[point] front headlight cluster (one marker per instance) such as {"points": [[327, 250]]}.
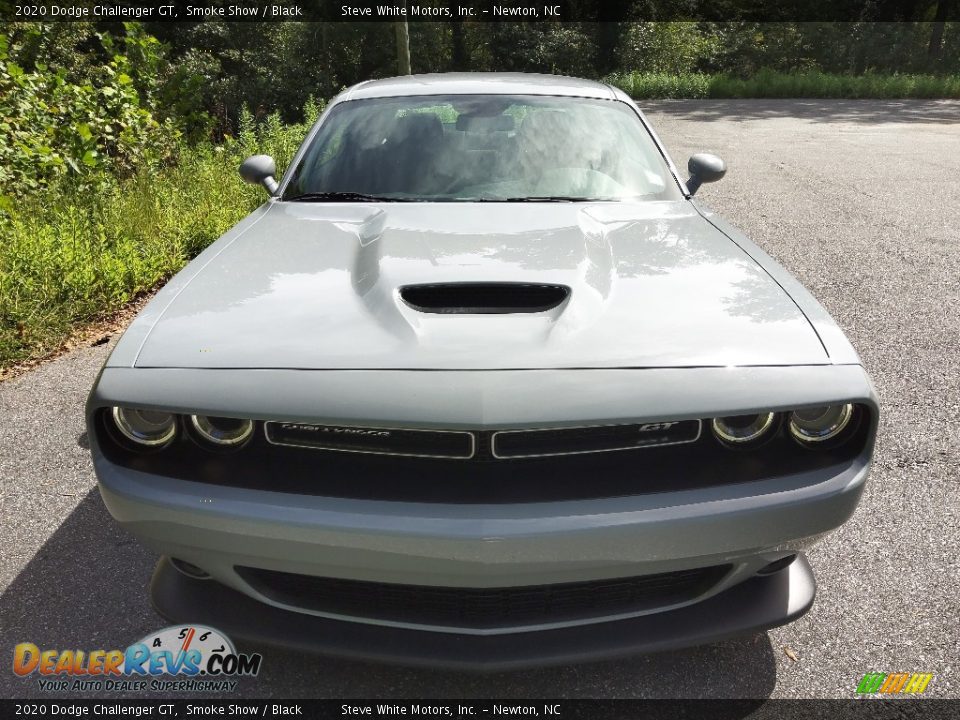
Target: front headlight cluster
{"points": [[824, 426], [808, 426], [156, 429]]}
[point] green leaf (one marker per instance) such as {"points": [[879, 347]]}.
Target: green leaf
{"points": [[89, 158], [83, 130], [14, 70], [124, 79]]}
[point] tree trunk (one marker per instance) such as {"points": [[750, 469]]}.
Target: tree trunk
{"points": [[935, 48], [325, 57], [403, 47], [459, 49], [608, 41]]}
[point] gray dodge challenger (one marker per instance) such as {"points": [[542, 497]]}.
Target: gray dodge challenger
{"points": [[482, 385]]}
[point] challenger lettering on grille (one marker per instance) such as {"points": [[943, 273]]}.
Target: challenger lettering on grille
{"points": [[335, 430], [379, 441]]}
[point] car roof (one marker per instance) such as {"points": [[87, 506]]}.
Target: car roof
{"points": [[480, 84]]}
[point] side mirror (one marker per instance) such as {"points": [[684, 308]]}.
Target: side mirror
{"points": [[704, 168], [260, 170]]}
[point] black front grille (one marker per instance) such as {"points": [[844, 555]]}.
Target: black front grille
{"points": [[462, 445], [483, 607], [473, 298]]}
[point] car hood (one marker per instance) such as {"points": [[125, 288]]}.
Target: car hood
{"points": [[315, 286]]}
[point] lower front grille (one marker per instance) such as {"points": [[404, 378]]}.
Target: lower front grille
{"points": [[480, 608]]}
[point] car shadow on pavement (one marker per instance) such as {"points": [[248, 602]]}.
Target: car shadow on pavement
{"points": [[816, 110], [86, 588]]}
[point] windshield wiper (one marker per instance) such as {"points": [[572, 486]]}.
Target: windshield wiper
{"points": [[543, 198], [342, 197]]}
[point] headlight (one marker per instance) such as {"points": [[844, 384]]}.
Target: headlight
{"points": [[742, 429], [152, 428], [226, 432], [817, 424]]}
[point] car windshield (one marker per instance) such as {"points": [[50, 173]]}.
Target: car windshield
{"points": [[481, 148]]}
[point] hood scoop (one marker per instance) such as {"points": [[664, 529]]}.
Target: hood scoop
{"points": [[471, 298]]}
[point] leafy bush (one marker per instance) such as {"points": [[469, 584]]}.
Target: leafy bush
{"points": [[545, 47], [666, 47], [58, 126]]}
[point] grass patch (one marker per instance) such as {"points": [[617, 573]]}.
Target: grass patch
{"points": [[771, 84], [70, 256]]}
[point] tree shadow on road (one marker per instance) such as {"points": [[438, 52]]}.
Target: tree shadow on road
{"points": [[816, 110], [86, 588]]}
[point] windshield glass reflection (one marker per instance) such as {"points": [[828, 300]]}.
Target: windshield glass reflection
{"points": [[494, 148]]}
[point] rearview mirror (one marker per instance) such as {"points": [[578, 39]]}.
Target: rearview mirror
{"points": [[260, 170], [704, 168], [485, 123]]}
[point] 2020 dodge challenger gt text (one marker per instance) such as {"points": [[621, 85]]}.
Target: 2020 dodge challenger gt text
{"points": [[481, 385]]}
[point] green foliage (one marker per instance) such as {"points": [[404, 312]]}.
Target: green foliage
{"points": [[772, 84], [667, 47], [82, 126], [270, 67], [832, 47], [312, 109], [546, 47], [646, 85], [68, 256]]}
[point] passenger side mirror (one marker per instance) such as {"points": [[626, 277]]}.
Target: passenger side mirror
{"points": [[704, 168], [260, 170]]}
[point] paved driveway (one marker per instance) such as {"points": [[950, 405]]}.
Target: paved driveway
{"points": [[859, 199]]}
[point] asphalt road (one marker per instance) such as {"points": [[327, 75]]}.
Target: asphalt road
{"points": [[860, 200]]}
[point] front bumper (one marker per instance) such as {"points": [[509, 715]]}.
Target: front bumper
{"points": [[220, 528], [757, 604], [743, 525]]}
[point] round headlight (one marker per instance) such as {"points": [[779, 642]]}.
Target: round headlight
{"points": [[814, 425], [152, 428], [226, 432], [742, 429]]}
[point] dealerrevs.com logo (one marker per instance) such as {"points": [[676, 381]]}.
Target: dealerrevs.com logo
{"points": [[199, 658]]}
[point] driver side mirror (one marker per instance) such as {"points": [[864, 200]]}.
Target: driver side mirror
{"points": [[260, 170], [704, 168]]}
